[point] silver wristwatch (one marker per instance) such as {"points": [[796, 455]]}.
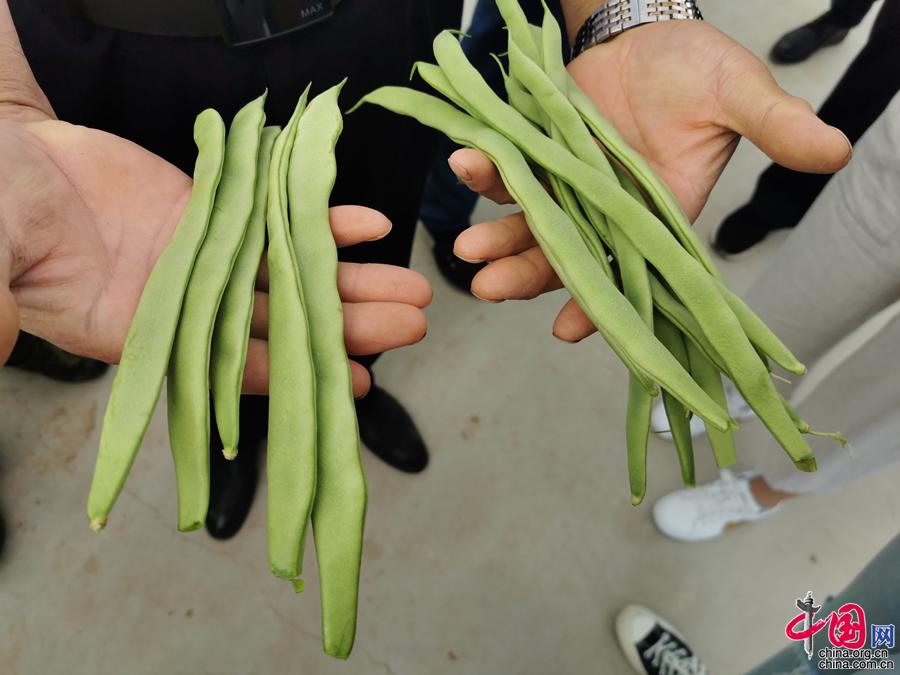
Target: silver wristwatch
{"points": [[619, 15]]}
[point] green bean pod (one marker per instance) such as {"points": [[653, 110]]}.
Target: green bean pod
{"points": [[231, 334], [519, 29], [760, 334], [188, 381], [148, 345], [708, 376], [679, 417], [339, 509], [615, 318], [291, 454], [668, 305]]}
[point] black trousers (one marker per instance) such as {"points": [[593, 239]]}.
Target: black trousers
{"points": [[851, 12], [149, 90], [783, 196]]}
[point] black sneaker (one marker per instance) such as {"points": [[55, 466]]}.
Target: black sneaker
{"points": [[652, 646], [37, 356], [390, 433], [458, 272], [742, 230], [803, 42]]}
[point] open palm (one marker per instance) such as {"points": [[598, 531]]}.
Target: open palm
{"points": [[87, 214], [681, 93]]}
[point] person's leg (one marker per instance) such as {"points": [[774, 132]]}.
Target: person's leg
{"points": [[783, 196], [835, 271], [876, 589], [860, 398], [850, 13]]}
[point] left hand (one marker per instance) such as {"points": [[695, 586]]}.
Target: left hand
{"points": [[682, 93]]}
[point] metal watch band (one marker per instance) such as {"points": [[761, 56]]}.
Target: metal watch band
{"points": [[620, 15]]}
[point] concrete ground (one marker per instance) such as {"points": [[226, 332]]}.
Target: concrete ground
{"points": [[510, 554]]}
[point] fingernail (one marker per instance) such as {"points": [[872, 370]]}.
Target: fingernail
{"points": [[493, 302], [568, 342], [472, 261], [849, 144], [383, 233], [461, 172]]}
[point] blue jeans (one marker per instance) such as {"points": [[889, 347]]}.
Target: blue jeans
{"points": [[876, 589], [447, 205]]}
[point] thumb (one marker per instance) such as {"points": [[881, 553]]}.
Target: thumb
{"points": [[785, 127]]}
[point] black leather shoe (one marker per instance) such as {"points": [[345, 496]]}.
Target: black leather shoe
{"points": [[390, 433], [233, 482], [740, 231], [803, 42], [37, 356], [458, 272]]}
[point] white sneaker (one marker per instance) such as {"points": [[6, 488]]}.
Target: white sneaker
{"points": [[738, 408], [705, 512], [652, 646]]}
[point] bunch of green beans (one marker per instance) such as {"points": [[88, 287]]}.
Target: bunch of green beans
{"points": [[617, 238], [257, 191]]}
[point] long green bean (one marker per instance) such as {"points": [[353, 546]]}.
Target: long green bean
{"points": [[188, 381], [677, 414], [291, 450], [339, 509], [232, 331], [148, 346], [708, 376]]}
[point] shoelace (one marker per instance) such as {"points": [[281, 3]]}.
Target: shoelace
{"points": [[670, 658], [726, 498]]}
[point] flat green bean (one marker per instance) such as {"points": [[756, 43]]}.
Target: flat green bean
{"points": [[760, 334], [613, 315], [232, 331], [707, 376], [148, 345], [339, 509], [291, 450], [188, 381], [674, 311], [679, 417]]}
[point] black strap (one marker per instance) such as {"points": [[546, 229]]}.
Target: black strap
{"points": [[239, 22]]}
